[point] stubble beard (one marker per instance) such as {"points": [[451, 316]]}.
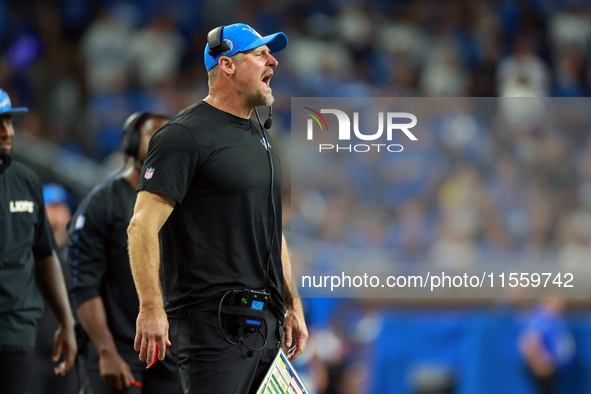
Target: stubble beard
{"points": [[267, 99], [261, 98]]}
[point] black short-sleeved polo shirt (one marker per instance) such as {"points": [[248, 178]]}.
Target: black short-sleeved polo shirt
{"points": [[219, 235], [25, 234]]}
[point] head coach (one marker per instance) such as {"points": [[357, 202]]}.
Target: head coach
{"points": [[209, 208]]}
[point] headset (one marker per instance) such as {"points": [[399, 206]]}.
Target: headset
{"points": [[130, 140], [218, 46]]}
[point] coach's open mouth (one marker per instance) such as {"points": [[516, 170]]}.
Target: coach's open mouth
{"points": [[266, 80]]}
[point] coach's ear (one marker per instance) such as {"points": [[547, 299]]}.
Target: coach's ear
{"points": [[227, 65]]}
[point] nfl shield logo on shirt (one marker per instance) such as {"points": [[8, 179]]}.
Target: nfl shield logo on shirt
{"points": [[149, 173]]}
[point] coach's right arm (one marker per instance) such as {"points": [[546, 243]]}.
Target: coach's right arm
{"points": [[150, 213]]}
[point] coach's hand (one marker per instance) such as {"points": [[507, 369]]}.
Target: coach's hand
{"points": [[295, 326], [151, 328]]}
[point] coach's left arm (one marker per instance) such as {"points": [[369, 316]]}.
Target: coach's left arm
{"points": [[295, 324]]}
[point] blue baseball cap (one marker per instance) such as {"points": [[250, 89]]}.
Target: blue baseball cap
{"points": [[54, 193], [6, 105], [242, 38]]}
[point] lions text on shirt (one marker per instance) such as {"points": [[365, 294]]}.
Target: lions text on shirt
{"points": [[22, 206]]}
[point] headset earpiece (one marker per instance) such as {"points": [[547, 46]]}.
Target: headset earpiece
{"points": [[216, 45], [130, 141]]}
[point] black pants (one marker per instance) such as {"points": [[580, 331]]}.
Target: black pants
{"points": [[15, 368], [209, 364], [161, 378]]}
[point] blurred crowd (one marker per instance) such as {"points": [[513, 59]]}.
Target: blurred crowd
{"points": [[480, 186], [84, 66]]}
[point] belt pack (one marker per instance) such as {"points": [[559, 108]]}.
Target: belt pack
{"points": [[244, 310]]}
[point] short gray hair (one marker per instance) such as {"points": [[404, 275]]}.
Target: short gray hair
{"points": [[214, 73]]}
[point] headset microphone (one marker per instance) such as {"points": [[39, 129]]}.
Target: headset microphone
{"points": [[269, 122]]}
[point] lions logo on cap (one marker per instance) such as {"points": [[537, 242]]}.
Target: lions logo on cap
{"points": [[230, 46], [253, 31]]}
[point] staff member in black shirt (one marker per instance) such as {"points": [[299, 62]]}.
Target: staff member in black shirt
{"points": [[29, 268], [211, 185], [103, 290]]}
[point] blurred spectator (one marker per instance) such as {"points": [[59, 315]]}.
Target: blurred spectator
{"points": [[156, 51], [546, 344], [443, 75], [105, 49], [57, 205], [575, 240], [523, 73], [449, 48]]}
